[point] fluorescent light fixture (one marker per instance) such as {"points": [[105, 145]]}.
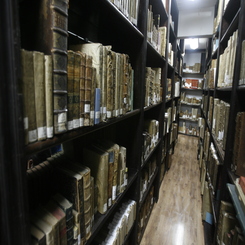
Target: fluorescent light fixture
{"points": [[193, 42]]}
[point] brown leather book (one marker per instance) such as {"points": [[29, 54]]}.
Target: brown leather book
{"points": [[52, 39], [70, 87], [76, 90]]}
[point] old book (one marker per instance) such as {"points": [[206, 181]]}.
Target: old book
{"points": [[70, 185], [29, 115], [82, 87], [110, 87], [49, 95], [97, 105], [238, 153], [92, 103], [45, 227], [39, 91], [37, 236], [122, 170], [70, 87], [52, 40], [59, 214], [97, 161], [43, 214], [242, 69], [225, 207], [88, 87]]}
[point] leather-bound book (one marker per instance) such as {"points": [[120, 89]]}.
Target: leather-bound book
{"points": [[49, 95], [92, 102], [52, 39], [238, 152], [97, 161], [76, 90], [82, 88], [39, 85], [37, 236], [70, 87], [29, 110]]}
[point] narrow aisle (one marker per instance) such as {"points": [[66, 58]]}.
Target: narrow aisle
{"points": [[176, 217]]}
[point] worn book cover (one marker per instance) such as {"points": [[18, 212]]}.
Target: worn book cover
{"points": [[37, 236], [39, 91], [29, 110], [70, 87], [76, 91], [97, 160], [49, 95]]}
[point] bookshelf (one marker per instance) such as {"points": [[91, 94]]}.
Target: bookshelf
{"points": [[90, 22], [222, 90]]}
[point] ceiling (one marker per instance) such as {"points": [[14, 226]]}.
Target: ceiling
{"points": [[195, 5]]}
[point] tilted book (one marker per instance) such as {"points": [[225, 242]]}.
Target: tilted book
{"points": [[52, 40], [37, 236], [29, 110]]}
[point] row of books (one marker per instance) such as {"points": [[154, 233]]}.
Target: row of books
{"points": [[221, 111], [192, 114], [189, 100], [146, 175], [169, 89], [150, 137], [238, 163], [156, 34], [192, 83], [129, 8], [229, 230], [196, 68], [116, 230], [91, 186], [153, 87], [210, 76], [86, 98], [207, 106], [213, 164], [189, 130], [145, 212], [170, 55], [227, 62]]}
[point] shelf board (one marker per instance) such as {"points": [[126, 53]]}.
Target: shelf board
{"points": [[241, 88], [224, 89], [188, 134], [73, 134], [146, 108], [238, 206], [218, 148], [194, 73], [192, 89], [100, 219], [189, 104], [154, 58], [188, 119]]}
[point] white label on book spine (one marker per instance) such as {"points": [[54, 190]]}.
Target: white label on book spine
{"points": [[50, 132], [114, 192], [26, 123], [81, 122], [97, 115], [109, 202], [109, 114], [117, 113], [70, 125], [32, 135], [87, 108], [105, 207], [121, 111], [76, 123], [42, 133], [79, 239], [88, 229], [104, 110], [91, 114], [62, 117]]}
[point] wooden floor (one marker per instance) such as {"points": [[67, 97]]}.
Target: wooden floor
{"points": [[176, 217]]}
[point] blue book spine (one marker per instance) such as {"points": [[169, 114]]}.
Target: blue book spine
{"points": [[97, 105]]}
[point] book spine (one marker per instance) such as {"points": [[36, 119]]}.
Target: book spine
{"points": [[88, 84], [110, 88], [29, 115], [97, 105], [49, 95], [76, 90], [70, 88], [39, 89], [82, 88], [92, 105]]}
